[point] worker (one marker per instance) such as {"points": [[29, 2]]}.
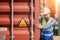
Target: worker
{"points": [[46, 24]]}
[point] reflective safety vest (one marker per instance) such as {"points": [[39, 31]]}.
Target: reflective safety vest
{"points": [[44, 22], [48, 31]]}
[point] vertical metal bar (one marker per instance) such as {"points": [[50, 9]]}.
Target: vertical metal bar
{"points": [[44, 2], [41, 5], [12, 21], [32, 20], [56, 9], [57, 15]]}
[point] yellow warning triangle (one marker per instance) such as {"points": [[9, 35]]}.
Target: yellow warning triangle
{"points": [[22, 23]]}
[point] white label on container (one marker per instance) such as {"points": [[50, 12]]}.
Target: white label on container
{"points": [[3, 28]]}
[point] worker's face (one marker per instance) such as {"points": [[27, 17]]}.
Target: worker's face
{"points": [[41, 15], [47, 15]]}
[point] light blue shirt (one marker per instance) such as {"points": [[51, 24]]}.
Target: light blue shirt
{"points": [[52, 23], [47, 27]]}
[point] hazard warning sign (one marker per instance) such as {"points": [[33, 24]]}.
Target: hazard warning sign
{"points": [[22, 23]]}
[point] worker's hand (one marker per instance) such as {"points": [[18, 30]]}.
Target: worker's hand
{"points": [[40, 26]]}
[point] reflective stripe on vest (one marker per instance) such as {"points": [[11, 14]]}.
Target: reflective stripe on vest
{"points": [[50, 29], [46, 34]]}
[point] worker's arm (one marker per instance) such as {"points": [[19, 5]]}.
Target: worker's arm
{"points": [[40, 21], [52, 23]]}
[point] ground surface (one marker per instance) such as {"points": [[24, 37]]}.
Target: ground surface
{"points": [[56, 37]]}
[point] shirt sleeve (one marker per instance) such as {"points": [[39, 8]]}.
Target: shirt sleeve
{"points": [[52, 23]]}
